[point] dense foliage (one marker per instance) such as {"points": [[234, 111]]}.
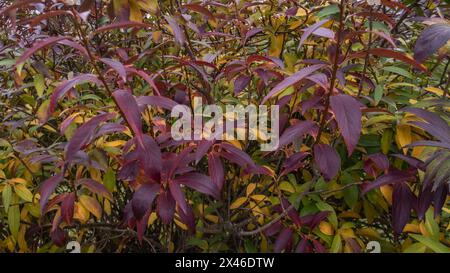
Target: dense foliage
{"points": [[86, 152]]}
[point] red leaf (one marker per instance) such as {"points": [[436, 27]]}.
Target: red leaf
{"points": [[199, 182], [348, 116], [47, 188], [143, 199], [327, 160], [293, 79], [200, 9]]}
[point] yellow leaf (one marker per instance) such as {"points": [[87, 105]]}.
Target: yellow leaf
{"points": [[91, 205], [326, 228], [411, 228], [435, 90], [386, 190], [152, 218], [259, 197], [276, 45], [148, 5], [156, 36], [403, 136], [135, 12], [80, 213], [24, 193], [238, 202], [250, 188]]}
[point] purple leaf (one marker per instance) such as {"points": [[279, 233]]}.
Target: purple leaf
{"points": [[199, 182], [67, 207], [416, 163], [117, 66], [58, 237], [84, 134], [165, 207], [180, 38], [393, 177], [150, 159], [38, 46], [430, 40], [66, 85], [318, 247], [327, 160], [47, 188], [348, 116], [95, 187], [156, 101], [241, 83], [252, 32], [303, 246], [143, 199], [128, 106], [236, 155], [283, 240], [215, 169], [293, 162], [402, 203], [309, 30], [293, 79], [439, 198], [178, 195], [202, 148], [298, 130], [429, 143], [121, 24], [423, 202]]}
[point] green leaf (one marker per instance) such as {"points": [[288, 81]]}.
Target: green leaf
{"points": [[436, 246], [327, 11], [350, 193], [39, 84], [14, 218], [378, 93], [336, 244], [109, 180], [6, 196], [399, 71], [431, 226], [415, 248]]}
